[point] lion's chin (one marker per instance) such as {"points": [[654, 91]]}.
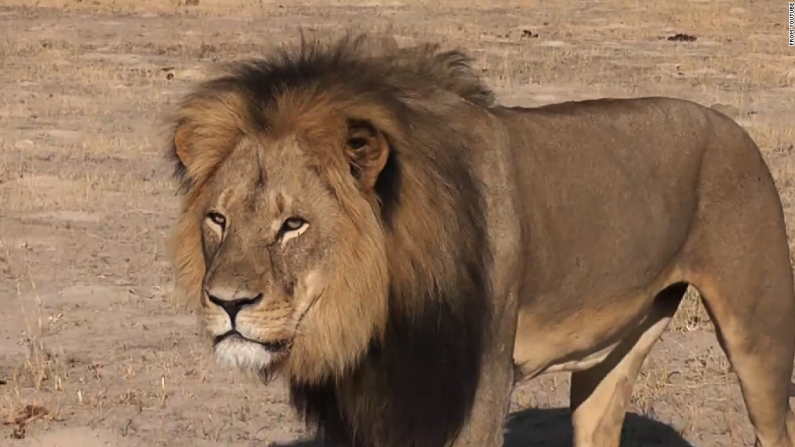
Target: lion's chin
{"points": [[237, 352]]}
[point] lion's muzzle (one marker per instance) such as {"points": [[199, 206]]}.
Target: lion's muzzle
{"points": [[237, 342], [275, 346], [233, 306]]}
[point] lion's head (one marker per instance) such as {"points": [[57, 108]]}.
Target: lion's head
{"points": [[294, 192]]}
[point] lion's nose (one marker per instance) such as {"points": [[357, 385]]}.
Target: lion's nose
{"points": [[234, 305]]}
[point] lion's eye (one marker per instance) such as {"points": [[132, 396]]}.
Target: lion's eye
{"points": [[357, 143], [292, 224], [217, 218]]}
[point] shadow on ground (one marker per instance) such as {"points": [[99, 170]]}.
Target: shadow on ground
{"points": [[552, 428]]}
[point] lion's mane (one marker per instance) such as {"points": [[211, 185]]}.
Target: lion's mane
{"points": [[415, 383]]}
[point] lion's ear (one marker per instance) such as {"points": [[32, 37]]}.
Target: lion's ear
{"points": [[368, 150], [182, 139]]}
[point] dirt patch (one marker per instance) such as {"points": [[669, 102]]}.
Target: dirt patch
{"points": [[88, 327], [76, 437]]}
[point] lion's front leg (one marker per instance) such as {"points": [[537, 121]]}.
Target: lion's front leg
{"points": [[486, 423], [485, 426]]}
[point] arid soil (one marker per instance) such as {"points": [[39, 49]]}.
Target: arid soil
{"points": [[94, 351]]}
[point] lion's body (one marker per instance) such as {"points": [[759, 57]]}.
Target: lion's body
{"points": [[645, 177], [516, 242]]}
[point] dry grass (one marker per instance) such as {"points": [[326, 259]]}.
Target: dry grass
{"points": [[89, 331]]}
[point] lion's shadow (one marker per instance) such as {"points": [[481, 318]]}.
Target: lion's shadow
{"points": [[552, 428]]}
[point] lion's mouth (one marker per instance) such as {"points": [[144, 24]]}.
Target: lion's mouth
{"points": [[274, 346], [280, 348]]}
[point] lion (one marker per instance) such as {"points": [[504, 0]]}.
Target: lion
{"points": [[374, 228]]}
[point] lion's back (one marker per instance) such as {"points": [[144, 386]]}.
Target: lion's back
{"points": [[604, 179]]}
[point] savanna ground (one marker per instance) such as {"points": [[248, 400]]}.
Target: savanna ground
{"points": [[93, 351]]}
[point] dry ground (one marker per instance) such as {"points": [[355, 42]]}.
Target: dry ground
{"points": [[92, 350]]}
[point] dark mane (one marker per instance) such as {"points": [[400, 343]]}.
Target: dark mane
{"points": [[358, 65], [362, 67], [416, 385]]}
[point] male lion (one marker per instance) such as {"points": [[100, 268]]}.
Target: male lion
{"points": [[402, 250]]}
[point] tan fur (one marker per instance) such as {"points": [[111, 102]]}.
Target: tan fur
{"points": [[450, 241]]}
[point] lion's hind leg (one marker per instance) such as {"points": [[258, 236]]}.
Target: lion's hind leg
{"points": [[757, 337], [738, 257], [600, 395]]}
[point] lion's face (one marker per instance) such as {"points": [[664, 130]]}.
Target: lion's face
{"points": [[284, 280]]}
